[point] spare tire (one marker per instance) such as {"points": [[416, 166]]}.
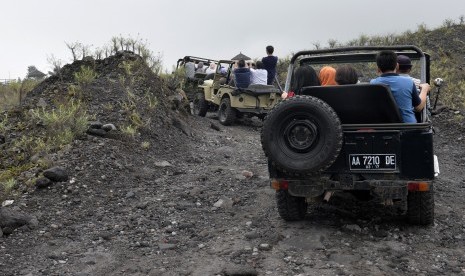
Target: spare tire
{"points": [[302, 135]]}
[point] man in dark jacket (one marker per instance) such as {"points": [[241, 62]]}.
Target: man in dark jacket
{"points": [[242, 75], [269, 63]]}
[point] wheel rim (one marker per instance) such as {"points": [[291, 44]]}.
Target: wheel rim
{"points": [[301, 135]]}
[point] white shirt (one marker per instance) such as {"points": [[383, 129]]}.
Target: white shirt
{"points": [[210, 70], [258, 76]]}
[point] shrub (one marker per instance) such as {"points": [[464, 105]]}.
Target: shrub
{"points": [[85, 76], [62, 124], [13, 93]]}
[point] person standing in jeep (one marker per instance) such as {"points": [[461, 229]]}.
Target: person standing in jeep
{"points": [[402, 88], [269, 63]]}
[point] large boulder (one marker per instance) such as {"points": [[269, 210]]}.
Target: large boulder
{"points": [[11, 220], [56, 174]]}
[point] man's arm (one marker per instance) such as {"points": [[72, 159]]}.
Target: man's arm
{"points": [[424, 90]]}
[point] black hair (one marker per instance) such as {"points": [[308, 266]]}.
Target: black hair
{"points": [[269, 49], [259, 64], [386, 60], [346, 74], [304, 76], [241, 63]]}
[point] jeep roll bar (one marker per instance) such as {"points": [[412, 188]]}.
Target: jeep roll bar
{"points": [[195, 59], [358, 55]]}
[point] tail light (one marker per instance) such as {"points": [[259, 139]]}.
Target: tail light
{"points": [[279, 184], [418, 186]]}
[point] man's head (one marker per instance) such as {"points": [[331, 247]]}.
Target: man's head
{"points": [[386, 61], [259, 65], [269, 49], [405, 64], [241, 63]]}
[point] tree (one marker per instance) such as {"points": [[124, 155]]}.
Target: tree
{"points": [[34, 73], [56, 65], [73, 47]]}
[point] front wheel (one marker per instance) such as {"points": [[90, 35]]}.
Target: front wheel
{"points": [[420, 207], [226, 113], [200, 105], [290, 208]]}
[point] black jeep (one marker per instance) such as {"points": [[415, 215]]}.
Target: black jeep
{"points": [[350, 138]]}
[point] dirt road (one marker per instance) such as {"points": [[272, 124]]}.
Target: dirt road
{"points": [[201, 205]]}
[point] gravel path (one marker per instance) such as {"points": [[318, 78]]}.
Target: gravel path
{"points": [[201, 205]]}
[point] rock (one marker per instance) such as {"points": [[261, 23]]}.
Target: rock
{"points": [[7, 203], [247, 174], [10, 220], [224, 202], [182, 126], [96, 132], [56, 174], [226, 151], [353, 227], [2, 139], [166, 246], [8, 231], [218, 204], [252, 235], [96, 125], [130, 194], [108, 127], [264, 247], [344, 259], [239, 270], [43, 182], [215, 127], [163, 164]]}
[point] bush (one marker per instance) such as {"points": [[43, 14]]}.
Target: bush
{"points": [[13, 93], [62, 124]]}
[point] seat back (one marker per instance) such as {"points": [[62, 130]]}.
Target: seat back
{"points": [[358, 103]]}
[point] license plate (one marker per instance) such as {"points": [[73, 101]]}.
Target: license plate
{"points": [[372, 162]]}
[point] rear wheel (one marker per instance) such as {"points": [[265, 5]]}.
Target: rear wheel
{"points": [[420, 207], [290, 207], [200, 104], [226, 113]]}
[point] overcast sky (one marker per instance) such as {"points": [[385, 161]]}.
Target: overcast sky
{"points": [[32, 30]]}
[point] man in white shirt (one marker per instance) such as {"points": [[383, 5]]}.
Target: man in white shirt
{"points": [[259, 75]]}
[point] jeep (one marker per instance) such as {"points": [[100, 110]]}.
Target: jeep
{"points": [[189, 86], [216, 94], [350, 138]]}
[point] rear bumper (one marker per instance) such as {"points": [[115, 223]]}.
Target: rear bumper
{"points": [[388, 189]]}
